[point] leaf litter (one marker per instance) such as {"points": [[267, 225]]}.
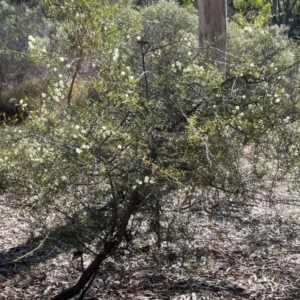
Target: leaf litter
{"points": [[250, 252]]}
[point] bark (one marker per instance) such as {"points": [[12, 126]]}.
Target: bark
{"points": [[274, 7], [212, 29]]}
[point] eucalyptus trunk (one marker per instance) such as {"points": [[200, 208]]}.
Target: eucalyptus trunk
{"points": [[212, 29]]}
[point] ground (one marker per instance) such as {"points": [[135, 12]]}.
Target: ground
{"points": [[247, 253]]}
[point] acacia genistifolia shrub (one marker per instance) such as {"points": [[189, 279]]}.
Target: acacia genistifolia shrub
{"points": [[265, 92], [155, 118]]}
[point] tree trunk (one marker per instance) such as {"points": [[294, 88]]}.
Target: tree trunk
{"points": [[274, 7], [212, 29]]}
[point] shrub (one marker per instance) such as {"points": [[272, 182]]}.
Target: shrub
{"points": [[157, 118]]}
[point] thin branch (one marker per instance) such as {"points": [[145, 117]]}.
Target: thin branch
{"points": [[31, 252], [115, 217], [79, 60]]}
